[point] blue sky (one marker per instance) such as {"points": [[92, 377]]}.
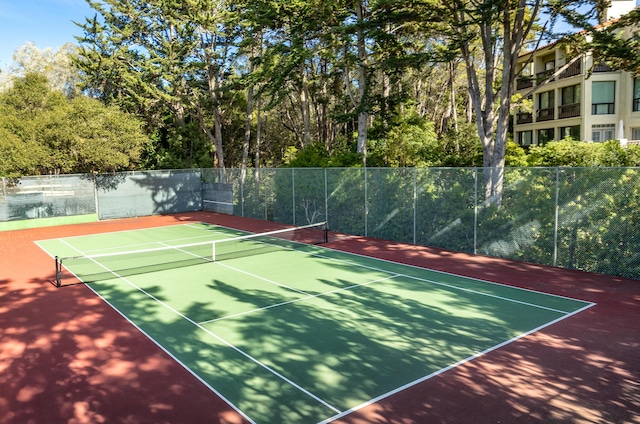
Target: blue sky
{"points": [[46, 23]]}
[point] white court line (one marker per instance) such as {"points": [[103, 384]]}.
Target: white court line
{"points": [[204, 382], [378, 398], [422, 269], [237, 349], [309, 296], [148, 229], [449, 367], [452, 286]]}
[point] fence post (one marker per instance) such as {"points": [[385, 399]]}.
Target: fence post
{"points": [[366, 205], [556, 219], [243, 176], [293, 195], [264, 193], [96, 199], [475, 210], [326, 200], [415, 201]]}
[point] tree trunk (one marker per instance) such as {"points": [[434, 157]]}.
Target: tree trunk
{"points": [[363, 115], [305, 109]]}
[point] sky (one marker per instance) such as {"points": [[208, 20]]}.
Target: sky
{"points": [[46, 23]]}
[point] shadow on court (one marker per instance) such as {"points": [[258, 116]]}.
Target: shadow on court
{"points": [[65, 356]]}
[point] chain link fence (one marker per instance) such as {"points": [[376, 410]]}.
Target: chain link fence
{"points": [[46, 196], [575, 218]]}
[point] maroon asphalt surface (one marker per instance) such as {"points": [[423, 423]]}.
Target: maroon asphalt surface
{"points": [[68, 357]]}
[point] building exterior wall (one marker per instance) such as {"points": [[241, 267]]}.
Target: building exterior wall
{"points": [[596, 123]]}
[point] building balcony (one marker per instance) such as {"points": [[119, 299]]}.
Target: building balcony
{"points": [[524, 82], [571, 71], [543, 76], [602, 67], [524, 118], [544, 114], [569, 110]]}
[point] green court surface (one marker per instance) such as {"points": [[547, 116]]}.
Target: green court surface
{"points": [[304, 334]]}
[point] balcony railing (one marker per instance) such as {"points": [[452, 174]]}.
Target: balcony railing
{"points": [[636, 105], [524, 118], [573, 70], [544, 114], [524, 82], [543, 76], [569, 110], [603, 108], [602, 67]]}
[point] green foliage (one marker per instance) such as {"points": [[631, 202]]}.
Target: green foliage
{"points": [[178, 147], [633, 155], [575, 153], [408, 140], [515, 155], [103, 139], [459, 148], [44, 132], [316, 155]]}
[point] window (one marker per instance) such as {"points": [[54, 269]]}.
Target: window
{"points": [[600, 133], [603, 98], [545, 99], [549, 65], [571, 94], [571, 132], [570, 102], [545, 136], [525, 138], [635, 133], [636, 95], [545, 105]]}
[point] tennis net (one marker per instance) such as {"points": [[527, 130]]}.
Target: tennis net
{"points": [[92, 268]]}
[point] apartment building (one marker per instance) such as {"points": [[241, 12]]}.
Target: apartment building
{"points": [[563, 100]]}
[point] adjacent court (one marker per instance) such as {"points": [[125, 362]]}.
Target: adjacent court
{"points": [[288, 331]]}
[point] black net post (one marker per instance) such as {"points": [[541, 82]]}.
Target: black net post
{"points": [[58, 272]]}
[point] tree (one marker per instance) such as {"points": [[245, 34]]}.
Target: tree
{"points": [[44, 132], [614, 43], [168, 61], [502, 28], [57, 66]]}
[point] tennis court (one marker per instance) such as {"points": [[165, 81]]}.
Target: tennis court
{"points": [[286, 330]]}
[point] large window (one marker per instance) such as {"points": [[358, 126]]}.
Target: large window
{"points": [[569, 102], [603, 98], [603, 132], [571, 94], [572, 132], [545, 106], [635, 133], [636, 95], [525, 138], [545, 136]]}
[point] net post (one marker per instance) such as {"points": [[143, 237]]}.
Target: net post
{"points": [[213, 251], [326, 233], [58, 272]]}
